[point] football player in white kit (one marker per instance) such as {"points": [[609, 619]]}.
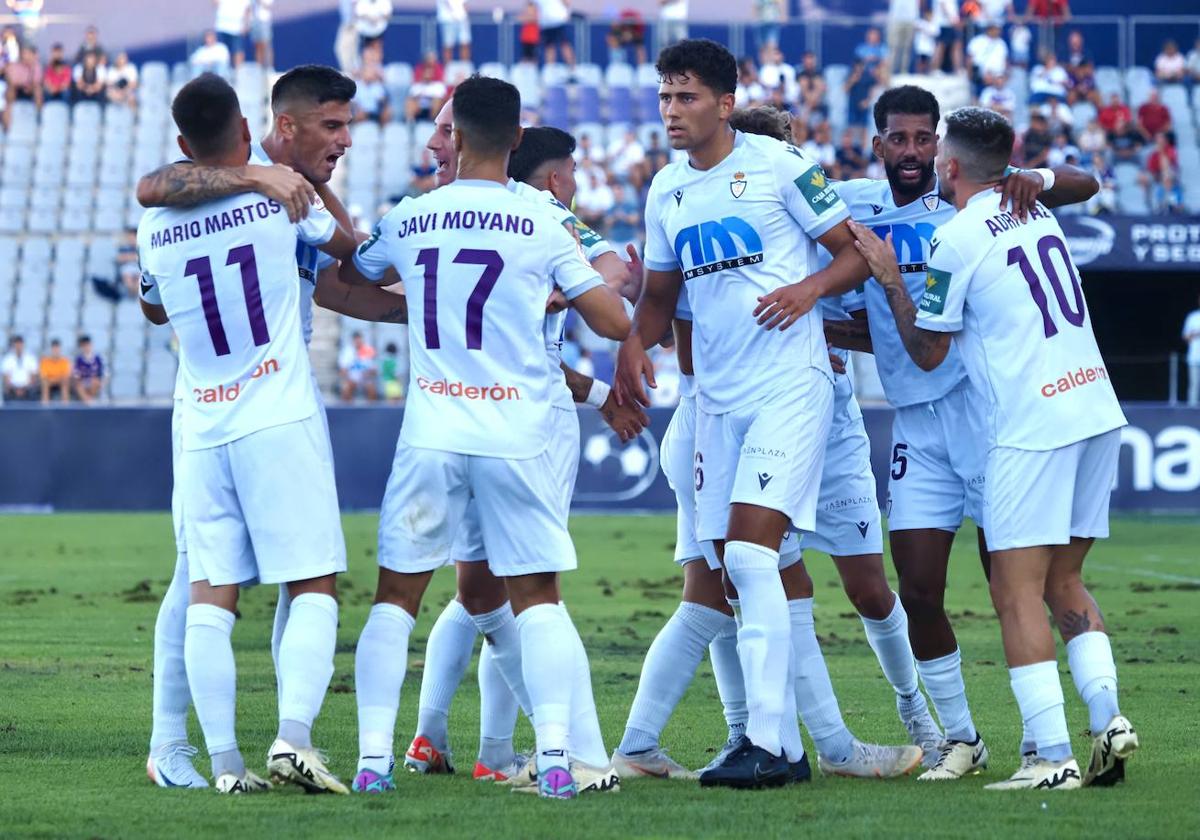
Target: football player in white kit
{"points": [[311, 107], [738, 220], [1007, 291], [937, 458], [248, 395], [480, 423]]}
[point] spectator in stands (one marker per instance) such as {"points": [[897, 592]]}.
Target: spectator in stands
{"points": [[903, 16], [1162, 176], [391, 377], [356, 369], [1114, 112], [871, 51], [1077, 55], [29, 15], [345, 43], [121, 80], [371, 19], [91, 44], [262, 31], [1105, 200], [1048, 79], [1191, 334], [1170, 67], [627, 160], [1092, 139], [1059, 116], [88, 81], [56, 80], [859, 84], [19, 371], [1062, 151], [625, 220], [773, 72], [129, 269], [54, 373], [1020, 44], [594, 197], [211, 56], [656, 155], [999, 97], [371, 97], [1153, 117], [750, 90], [10, 46], [820, 147], [585, 150], [24, 82], [554, 19], [87, 372], [768, 18], [424, 172], [1035, 146], [672, 21], [455, 26], [232, 23], [811, 88], [1193, 63], [1125, 141], [626, 38], [531, 33], [1083, 85], [925, 41], [1047, 15], [987, 57], [948, 54], [851, 162], [427, 92]]}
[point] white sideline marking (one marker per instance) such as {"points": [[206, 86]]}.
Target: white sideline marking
{"points": [[1147, 572]]}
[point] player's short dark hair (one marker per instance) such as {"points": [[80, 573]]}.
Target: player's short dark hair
{"points": [[763, 119], [488, 113], [982, 142], [54, 342], [313, 84], [205, 110], [539, 145], [906, 99], [708, 61], [85, 339]]}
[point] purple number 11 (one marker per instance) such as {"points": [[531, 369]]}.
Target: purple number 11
{"points": [[201, 268], [492, 264]]}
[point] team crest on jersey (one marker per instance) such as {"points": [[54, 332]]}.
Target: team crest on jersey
{"points": [[931, 201], [738, 185]]}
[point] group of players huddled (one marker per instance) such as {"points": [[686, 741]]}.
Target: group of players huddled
{"points": [[764, 274]]}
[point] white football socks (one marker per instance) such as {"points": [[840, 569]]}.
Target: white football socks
{"points": [[447, 655], [499, 627], [379, 664], [586, 741], [888, 637], [789, 726], [548, 655], [670, 665], [306, 664], [1040, 697], [815, 699], [282, 605], [497, 713], [1090, 658], [763, 646], [944, 683], [171, 693], [727, 670], [212, 676]]}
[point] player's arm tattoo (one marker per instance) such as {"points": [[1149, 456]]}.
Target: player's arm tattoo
{"points": [[849, 335], [579, 384], [926, 347], [186, 185]]}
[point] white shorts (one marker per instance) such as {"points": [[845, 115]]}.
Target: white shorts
{"points": [[678, 458], [939, 454], [468, 542], [848, 522], [769, 454], [790, 552], [522, 506], [1046, 498], [455, 32], [263, 507]]}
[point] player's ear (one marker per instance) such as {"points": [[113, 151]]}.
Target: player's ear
{"points": [[877, 146], [457, 136], [245, 130], [727, 104], [517, 139], [183, 147], [285, 126]]}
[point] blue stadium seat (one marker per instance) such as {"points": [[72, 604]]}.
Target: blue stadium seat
{"points": [[555, 107], [18, 165], [555, 74], [647, 75], [592, 129], [647, 102], [647, 130], [1108, 82], [494, 69], [619, 75], [397, 78], [526, 80], [588, 103], [56, 121], [43, 220], [620, 104], [13, 197]]}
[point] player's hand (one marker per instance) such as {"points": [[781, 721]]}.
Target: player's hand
{"points": [[284, 185], [879, 253], [786, 305], [1020, 191], [626, 420], [557, 302], [632, 288], [633, 364], [835, 361]]}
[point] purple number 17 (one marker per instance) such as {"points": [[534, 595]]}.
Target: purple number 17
{"points": [[201, 268], [492, 264]]}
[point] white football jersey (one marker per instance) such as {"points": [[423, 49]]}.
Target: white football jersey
{"points": [[738, 231], [912, 228], [846, 411], [226, 273], [1010, 293], [479, 264]]}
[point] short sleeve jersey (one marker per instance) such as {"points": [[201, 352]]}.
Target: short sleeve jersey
{"points": [[480, 379], [226, 272], [1010, 293], [738, 231], [846, 411], [912, 228]]}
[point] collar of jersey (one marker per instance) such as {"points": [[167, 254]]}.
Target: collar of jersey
{"points": [[479, 182], [737, 144], [980, 196]]}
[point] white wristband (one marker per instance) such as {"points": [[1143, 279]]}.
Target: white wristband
{"points": [[1047, 178], [598, 394]]}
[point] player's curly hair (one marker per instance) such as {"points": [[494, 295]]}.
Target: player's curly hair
{"points": [[539, 144], [708, 61], [906, 99], [763, 119], [982, 142]]}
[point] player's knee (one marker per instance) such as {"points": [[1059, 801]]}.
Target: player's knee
{"points": [[1062, 588], [871, 599], [922, 599]]}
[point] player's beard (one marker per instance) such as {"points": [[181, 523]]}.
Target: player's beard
{"points": [[909, 191]]}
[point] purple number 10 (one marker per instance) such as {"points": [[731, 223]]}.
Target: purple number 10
{"points": [[492, 264], [201, 268], [1074, 314]]}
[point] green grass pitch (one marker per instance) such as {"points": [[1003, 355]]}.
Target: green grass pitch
{"points": [[78, 595]]}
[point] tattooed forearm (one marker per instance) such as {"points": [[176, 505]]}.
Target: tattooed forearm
{"points": [[579, 384], [849, 335], [186, 184], [926, 348]]}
